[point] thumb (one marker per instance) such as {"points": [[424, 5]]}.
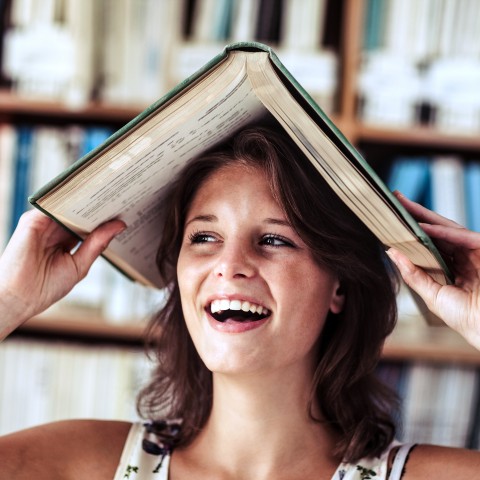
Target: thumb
{"points": [[417, 279], [95, 243]]}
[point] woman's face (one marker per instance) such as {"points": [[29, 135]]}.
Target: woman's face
{"points": [[240, 255]]}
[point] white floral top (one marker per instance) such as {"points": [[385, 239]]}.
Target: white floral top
{"points": [[147, 451]]}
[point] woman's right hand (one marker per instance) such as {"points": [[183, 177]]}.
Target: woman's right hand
{"points": [[38, 267], [458, 304]]}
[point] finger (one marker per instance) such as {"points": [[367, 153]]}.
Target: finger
{"points": [[455, 237], [423, 214], [94, 244], [416, 278]]}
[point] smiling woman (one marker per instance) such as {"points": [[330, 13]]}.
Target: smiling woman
{"points": [[280, 300], [251, 223]]}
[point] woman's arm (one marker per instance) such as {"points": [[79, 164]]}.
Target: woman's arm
{"points": [[441, 463], [38, 267], [457, 305]]}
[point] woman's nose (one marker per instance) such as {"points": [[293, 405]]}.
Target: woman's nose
{"points": [[235, 261]]}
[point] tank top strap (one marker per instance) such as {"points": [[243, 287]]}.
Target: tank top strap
{"points": [[399, 461], [147, 450]]}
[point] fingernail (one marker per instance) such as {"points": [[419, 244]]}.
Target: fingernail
{"points": [[399, 261]]}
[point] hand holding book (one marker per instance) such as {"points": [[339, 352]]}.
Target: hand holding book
{"points": [[458, 305], [38, 266]]}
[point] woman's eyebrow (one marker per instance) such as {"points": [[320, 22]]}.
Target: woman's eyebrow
{"points": [[277, 221], [213, 218], [202, 218]]}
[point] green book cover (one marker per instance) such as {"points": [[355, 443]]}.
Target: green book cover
{"points": [[250, 77]]}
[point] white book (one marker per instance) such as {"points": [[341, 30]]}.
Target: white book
{"points": [[22, 13], [202, 20], [156, 49], [245, 16], [448, 28], [115, 50], [455, 400], [38, 382], [120, 382], [399, 28], [80, 23], [303, 24], [50, 154], [448, 190], [420, 409], [419, 32], [64, 369]]}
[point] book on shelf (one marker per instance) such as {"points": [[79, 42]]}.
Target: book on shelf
{"points": [[472, 194], [448, 187], [37, 385], [243, 85]]}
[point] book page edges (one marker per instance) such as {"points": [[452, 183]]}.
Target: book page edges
{"points": [[352, 153], [127, 128], [110, 257]]}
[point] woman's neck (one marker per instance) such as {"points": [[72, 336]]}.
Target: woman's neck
{"points": [[260, 427]]}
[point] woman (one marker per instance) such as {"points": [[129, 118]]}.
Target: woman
{"points": [[286, 300]]}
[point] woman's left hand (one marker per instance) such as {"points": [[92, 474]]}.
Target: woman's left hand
{"points": [[457, 305]]}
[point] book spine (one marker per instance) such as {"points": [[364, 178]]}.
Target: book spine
{"points": [[37, 385], [23, 158]]}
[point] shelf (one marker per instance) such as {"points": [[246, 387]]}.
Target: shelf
{"points": [[416, 136], [15, 106], [417, 342], [75, 325], [430, 344]]}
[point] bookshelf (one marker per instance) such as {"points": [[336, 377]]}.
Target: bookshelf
{"points": [[418, 343], [64, 333], [347, 19], [15, 108]]}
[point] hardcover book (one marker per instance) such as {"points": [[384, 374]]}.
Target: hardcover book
{"points": [[126, 176]]}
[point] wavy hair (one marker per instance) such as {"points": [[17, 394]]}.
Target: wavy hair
{"points": [[351, 398]]}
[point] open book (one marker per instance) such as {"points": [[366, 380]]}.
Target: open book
{"points": [[126, 176]]}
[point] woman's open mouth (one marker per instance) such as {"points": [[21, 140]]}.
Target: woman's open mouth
{"points": [[224, 310]]}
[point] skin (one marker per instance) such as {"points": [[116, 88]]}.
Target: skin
{"points": [[251, 402], [238, 245]]}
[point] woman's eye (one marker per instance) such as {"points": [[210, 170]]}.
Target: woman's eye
{"points": [[276, 241], [201, 237]]}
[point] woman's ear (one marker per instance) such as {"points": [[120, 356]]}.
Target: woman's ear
{"points": [[338, 298]]}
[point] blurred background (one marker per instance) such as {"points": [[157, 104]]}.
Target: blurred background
{"points": [[400, 79]]}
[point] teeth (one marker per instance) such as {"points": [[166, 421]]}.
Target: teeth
{"points": [[235, 305], [224, 304]]}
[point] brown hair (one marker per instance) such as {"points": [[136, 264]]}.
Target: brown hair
{"points": [[345, 387]]}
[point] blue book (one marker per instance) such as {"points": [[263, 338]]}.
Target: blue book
{"points": [[411, 176], [93, 137], [222, 23], [22, 168], [472, 195], [375, 21]]}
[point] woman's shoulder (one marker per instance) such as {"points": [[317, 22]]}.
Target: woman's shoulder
{"points": [[442, 463], [64, 449], [415, 462]]}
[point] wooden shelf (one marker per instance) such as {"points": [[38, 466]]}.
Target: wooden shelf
{"points": [[430, 344], [415, 136], [79, 325], [14, 106], [408, 343], [420, 344]]}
